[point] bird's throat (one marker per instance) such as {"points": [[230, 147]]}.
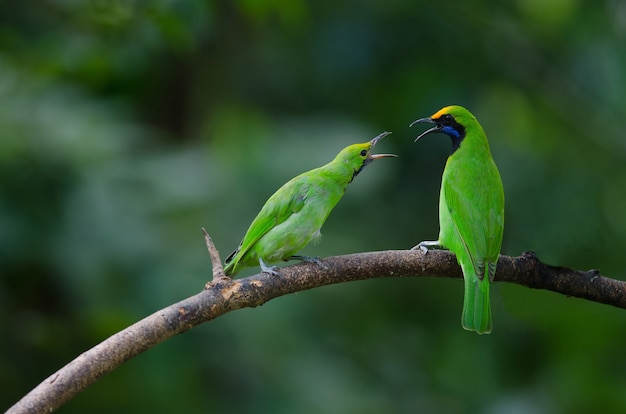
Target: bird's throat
{"points": [[456, 142]]}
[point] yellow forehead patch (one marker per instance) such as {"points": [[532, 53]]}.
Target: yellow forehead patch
{"points": [[441, 112]]}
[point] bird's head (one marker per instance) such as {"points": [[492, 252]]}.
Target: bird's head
{"points": [[357, 156], [452, 121]]}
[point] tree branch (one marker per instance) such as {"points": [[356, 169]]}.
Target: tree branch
{"points": [[223, 295]]}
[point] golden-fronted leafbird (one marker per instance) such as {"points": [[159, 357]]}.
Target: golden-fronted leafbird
{"points": [[471, 210], [295, 213]]}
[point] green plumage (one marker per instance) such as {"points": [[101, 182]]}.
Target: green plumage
{"points": [[471, 210], [295, 213]]}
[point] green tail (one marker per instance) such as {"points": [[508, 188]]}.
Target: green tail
{"points": [[230, 263], [476, 307]]}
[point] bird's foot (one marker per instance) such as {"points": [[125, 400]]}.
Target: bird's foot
{"points": [[309, 259], [271, 270], [424, 245]]}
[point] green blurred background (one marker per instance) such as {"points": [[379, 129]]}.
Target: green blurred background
{"points": [[126, 126]]}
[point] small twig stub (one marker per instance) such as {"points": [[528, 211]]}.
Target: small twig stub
{"points": [[216, 260]]}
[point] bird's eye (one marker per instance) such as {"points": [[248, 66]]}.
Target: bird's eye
{"points": [[363, 153], [448, 118]]}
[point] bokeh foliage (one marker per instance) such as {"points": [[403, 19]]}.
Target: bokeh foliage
{"points": [[128, 125]]}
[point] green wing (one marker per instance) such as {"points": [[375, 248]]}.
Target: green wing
{"points": [[287, 200], [476, 210]]}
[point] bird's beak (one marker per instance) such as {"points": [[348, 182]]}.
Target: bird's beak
{"points": [[373, 157], [436, 128]]}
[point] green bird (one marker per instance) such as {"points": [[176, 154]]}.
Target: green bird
{"points": [[471, 210], [294, 215]]}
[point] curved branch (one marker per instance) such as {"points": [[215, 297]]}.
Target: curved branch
{"points": [[224, 295]]}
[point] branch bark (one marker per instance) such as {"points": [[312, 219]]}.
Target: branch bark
{"points": [[223, 295]]}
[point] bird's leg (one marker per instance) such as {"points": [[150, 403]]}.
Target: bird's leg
{"points": [[424, 245], [272, 270], [309, 259]]}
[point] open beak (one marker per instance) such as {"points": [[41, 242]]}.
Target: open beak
{"points": [[373, 157], [429, 120]]}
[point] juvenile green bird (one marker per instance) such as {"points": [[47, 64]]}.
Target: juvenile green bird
{"points": [[294, 215], [471, 210]]}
